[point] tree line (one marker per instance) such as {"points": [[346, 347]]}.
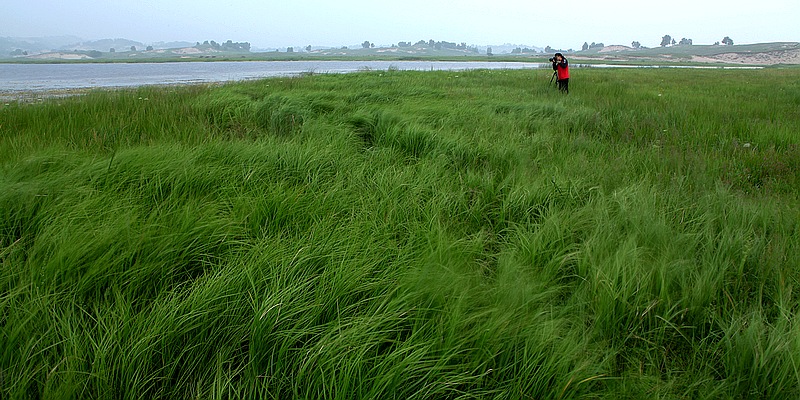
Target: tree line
{"points": [[666, 40], [227, 46]]}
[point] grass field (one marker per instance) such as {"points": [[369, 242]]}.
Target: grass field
{"points": [[406, 235]]}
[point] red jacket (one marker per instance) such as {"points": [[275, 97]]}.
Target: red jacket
{"points": [[562, 68]]}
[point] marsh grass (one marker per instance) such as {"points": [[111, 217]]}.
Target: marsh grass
{"points": [[396, 234]]}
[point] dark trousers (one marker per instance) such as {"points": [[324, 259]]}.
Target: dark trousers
{"points": [[563, 85]]}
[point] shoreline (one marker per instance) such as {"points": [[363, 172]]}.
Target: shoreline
{"points": [[34, 96], [28, 96]]}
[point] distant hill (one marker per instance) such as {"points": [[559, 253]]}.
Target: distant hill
{"points": [[428, 49], [171, 45], [405, 51], [748, 54], [41, 47], [107, 44], [15, 46], [35, 45]]}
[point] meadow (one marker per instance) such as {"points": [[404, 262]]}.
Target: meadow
{"points": [[406, 235]]}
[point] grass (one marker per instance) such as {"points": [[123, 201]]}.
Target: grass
{"points": [[393, 234]]}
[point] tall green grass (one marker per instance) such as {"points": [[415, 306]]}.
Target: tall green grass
{"points": [[397, 234]]}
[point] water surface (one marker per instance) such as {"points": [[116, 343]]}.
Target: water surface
{"points": [[50, 77]]}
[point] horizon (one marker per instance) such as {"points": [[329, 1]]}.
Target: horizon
{"points": [[346, 23], [351, 46]]}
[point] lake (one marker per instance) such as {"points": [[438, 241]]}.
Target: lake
{"points": [[53, 77]]}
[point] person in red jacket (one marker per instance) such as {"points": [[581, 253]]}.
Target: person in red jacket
{"points": [[561, 66]]}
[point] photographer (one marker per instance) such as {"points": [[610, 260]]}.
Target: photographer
{"points": [[561, 66]]}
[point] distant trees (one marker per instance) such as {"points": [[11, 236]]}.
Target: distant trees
{"points": [[686, 41], [489, 51], [438, 45], [112, 50], [290, 49], [666, 40], [227, 46], [451, 45], [149, 48], [237, 46], [429, 44], [727, 41], [308, 48], [521, 50], [636, 45], [586, 46], [133, 48]]}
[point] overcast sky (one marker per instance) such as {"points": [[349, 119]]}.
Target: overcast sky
{"points": [[281, 23]]}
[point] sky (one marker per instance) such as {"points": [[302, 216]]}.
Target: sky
{"points": [[561, 24]]}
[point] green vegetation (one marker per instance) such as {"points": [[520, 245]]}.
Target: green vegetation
{"points": [[391, 234], [777, 53]]}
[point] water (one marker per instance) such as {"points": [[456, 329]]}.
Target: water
{"points": [[31, 82], [55, 77]]}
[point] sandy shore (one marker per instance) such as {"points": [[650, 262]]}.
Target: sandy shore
{"points": [[786, 57], [34, 96]]}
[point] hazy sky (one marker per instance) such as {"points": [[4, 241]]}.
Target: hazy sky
{"points": [[281, 23]]}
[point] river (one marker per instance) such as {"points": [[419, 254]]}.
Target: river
{"points": [[54, 77]]}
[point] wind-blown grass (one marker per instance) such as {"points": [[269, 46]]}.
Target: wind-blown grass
{"points": [[405, 235]]}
